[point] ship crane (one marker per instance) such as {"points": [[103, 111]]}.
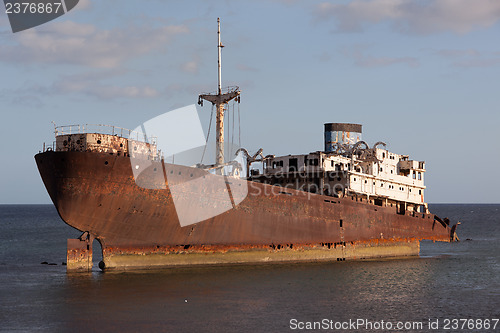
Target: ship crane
{"points": [[220, 101]]}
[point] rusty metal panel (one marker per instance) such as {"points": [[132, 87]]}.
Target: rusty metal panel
{"points": [[79, 255], [96, 192]]}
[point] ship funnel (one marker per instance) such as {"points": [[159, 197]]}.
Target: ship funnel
{"points": [[341, 133]]}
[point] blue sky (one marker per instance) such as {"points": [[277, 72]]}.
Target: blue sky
{"points": [[423, 76]]}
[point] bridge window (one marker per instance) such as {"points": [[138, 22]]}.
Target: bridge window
{"points": [[292, 164]]}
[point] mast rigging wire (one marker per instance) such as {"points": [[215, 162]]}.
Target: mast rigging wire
{"points": [[208, 134]]}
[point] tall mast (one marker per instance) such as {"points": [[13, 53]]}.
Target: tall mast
{"points": [[219, 48], [220, 101]]}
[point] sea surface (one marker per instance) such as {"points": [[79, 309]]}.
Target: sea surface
{"points": [[447, 282]]}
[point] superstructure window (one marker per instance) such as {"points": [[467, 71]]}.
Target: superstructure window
{"points": [[277, 164], [313, 162]]}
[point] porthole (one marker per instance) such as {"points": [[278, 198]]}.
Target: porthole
{"points": [[98, 142]]}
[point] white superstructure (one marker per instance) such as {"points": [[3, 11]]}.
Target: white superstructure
{"points": [[349, 168]]}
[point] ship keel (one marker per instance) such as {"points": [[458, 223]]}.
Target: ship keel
{"points": [[79, 253], [187, 256]]}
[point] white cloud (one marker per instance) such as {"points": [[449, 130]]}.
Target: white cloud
{"points": [[108, 91], [84, 44], [454, 53], [409, 16], [324, 57], [483, 62], [358, 54], [469, 57], [191, 66], [245, 68], [89, 84], [83, 4]]}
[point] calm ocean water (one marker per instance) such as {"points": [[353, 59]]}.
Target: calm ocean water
{"points": [[448, 281]]}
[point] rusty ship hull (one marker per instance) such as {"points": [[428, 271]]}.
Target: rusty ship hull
{"points": [[137, 227]]}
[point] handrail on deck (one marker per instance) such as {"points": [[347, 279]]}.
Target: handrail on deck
{"points": [[224, 90], [104, 129]]}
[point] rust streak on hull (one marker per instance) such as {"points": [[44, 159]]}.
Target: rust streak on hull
{"points": [[97, 193]]}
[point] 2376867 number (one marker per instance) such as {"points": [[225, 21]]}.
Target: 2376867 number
{"points": [[470, 324], [32, 8]]}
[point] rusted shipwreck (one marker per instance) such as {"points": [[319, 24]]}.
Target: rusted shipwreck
{"points": [[348, 201]]}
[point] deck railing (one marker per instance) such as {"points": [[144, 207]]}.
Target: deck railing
{"points": [[104, 129]]}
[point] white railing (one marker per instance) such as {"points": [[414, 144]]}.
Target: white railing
{"points": [[224, 90], [104, 129]]}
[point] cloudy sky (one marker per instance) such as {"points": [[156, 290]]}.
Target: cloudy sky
{"points": [[423, 76]]}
